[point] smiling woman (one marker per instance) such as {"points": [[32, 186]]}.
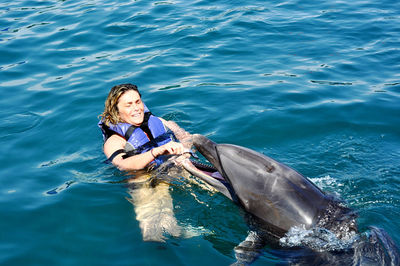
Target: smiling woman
{"points": [[136, 139], [133, 137]]}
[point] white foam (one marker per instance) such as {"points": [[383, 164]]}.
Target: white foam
{"points": [[328, 183], [319, 239]]}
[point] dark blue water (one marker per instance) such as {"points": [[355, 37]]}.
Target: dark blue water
{"points": [[315, 85]]}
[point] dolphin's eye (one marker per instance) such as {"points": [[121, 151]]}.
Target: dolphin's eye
{"points": [[270, 168]]}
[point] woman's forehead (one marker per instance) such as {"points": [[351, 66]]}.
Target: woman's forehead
{"points": [[129, 96]]}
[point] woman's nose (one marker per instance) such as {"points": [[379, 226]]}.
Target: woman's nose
{"points": [[136, 107]]}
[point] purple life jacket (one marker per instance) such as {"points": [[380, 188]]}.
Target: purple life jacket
{"points": [[150, 134]]}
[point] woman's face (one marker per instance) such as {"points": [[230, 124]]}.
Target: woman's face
{"points": [[131, 108]]}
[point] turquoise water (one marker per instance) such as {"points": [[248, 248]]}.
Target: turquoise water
{"points": [[313, 85]]}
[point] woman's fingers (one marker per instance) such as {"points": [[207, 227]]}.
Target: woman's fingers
{"points": [[173, 148], [176, 148]]}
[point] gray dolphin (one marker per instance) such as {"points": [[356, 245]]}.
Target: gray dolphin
{"points": [[279, 198], [273, 192]]}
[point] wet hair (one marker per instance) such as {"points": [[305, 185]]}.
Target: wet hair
{"points": [[110, 114]]}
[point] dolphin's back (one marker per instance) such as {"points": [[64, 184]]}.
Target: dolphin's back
{"points": [[270, 190]]}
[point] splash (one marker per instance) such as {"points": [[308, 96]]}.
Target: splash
{"points": [[326, 182], [319, 239]]}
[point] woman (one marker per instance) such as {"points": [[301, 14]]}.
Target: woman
{"points": [[133, 137]]}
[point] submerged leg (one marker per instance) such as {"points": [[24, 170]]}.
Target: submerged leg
{"points": [[154, 211]]}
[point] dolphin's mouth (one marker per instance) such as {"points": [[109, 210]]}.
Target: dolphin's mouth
{"points": [[211, 174], [198, 168], [207, 148]]}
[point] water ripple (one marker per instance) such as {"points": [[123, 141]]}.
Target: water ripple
{"points": [[18, 122]]}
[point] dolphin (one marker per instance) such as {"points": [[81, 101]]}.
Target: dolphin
{"points": [[277, 198], [280, 197]]}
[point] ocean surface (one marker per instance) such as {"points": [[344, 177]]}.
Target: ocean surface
{"points": [[315, 85]]}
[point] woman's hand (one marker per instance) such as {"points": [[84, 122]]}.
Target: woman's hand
{"points": [[171, 147]]}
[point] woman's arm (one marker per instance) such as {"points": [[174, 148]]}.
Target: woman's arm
{"points": [[138, 161], [135, 162], [182, 135]]}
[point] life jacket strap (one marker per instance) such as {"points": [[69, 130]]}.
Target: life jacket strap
{"points": [[115, 154], [144, 126], [150, 144]]}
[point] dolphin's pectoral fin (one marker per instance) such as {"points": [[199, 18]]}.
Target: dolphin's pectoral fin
{"points": [[249, 249]]}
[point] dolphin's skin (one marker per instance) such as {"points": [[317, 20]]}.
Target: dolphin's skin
{"points": [[273, 192]]}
